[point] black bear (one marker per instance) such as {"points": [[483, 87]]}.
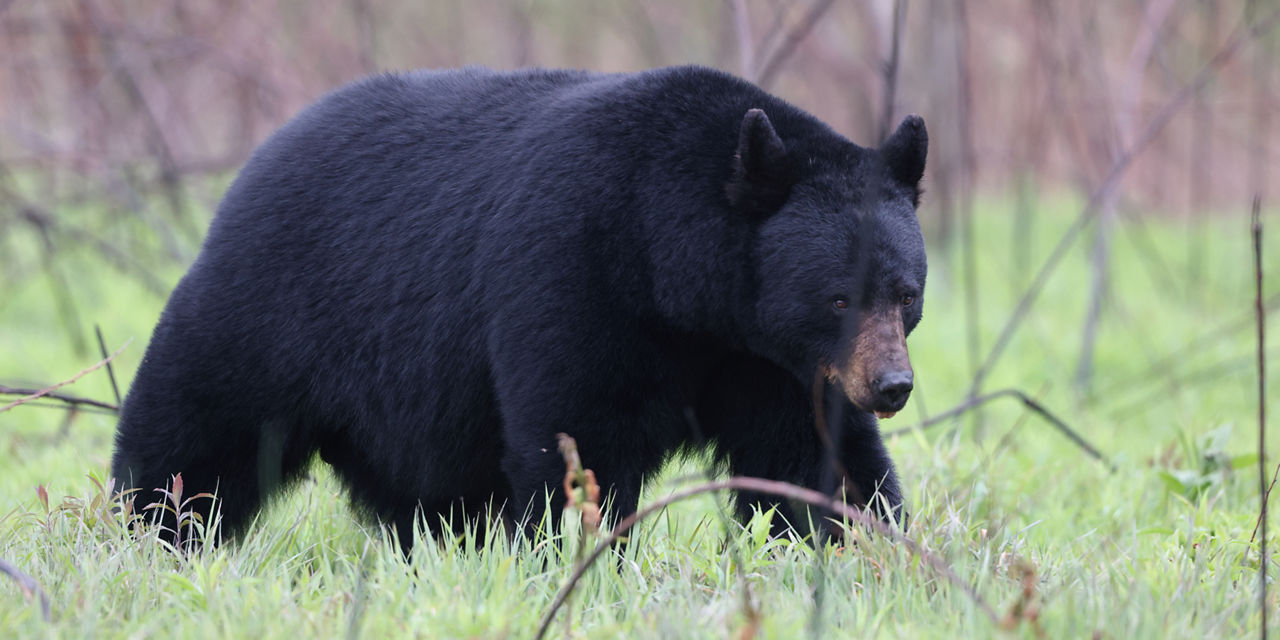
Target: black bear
{"points": [[424, 277]]}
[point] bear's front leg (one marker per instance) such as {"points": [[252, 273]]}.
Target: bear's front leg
{"points": [[871, 481], [851, 463], [535, 469], [761, 421], [608, 399]]}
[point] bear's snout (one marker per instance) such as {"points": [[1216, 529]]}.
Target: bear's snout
{"points": [[877, 376], [891, 391]]}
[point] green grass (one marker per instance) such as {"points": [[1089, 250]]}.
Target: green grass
{"points": [[1159, 548]]}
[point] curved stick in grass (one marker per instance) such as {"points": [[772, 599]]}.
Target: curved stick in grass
{"points": [[29, 586], [770, 487]]}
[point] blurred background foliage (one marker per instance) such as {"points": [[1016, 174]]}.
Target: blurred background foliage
{"points": [[121, 121], [1091, 169]]}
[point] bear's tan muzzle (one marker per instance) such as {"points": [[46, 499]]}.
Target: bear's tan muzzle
{"points": [[876, 376]]}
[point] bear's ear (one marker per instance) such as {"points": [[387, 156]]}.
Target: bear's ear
{"points": [[904, 152], [761, 178]]}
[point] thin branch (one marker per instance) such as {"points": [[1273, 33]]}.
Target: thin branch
{"points": [[47, 224], [643, 31], [29, 587], [366, 36], [123, 260], [742, 32], [71, 401], [1030, 403], [128, 81], [770, 487], [102, 349], [1211, 373], [1265, 500], [751, 611], [770, 35], [1139, 235], [71, 409], [890, 70], [61, 289], [1130, 87], [773, 63], [1112, 178], [1263, 491], [1167, 363], [966, 171], [48, 390]]}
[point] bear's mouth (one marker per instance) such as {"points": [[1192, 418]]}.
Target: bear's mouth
{"points": [[858, 394], [855, 392]]}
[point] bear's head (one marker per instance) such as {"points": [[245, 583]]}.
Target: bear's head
{"points": [[839, 259]]}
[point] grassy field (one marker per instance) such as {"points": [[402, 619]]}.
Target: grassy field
{"points": [[1054, 542]]}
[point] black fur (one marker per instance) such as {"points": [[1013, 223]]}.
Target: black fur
{"points": [[425, 276]]}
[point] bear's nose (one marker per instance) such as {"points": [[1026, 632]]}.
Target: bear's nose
{"points": [[892, 389]]}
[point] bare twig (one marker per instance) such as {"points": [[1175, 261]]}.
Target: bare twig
{"points": [[123, 260], [833, 474], [1137, 402], [770, 487], [71, 409], [1266, 498], [988, 457], [61, 289], [70, 400], [29, 587], [746, 44], [1202, 163], [361, 595], [1139, 235], [156, 138], [48, 390], [749, 608], [1029, 402], [47, 224], [643, 31], [102, 349], [773, 63], [964, 198], [581, 492], [1129, 88], [366, 35], [1263, 490], [770, 37], [890, 70], [1243, 35], [833, 468], [1165, 364]]}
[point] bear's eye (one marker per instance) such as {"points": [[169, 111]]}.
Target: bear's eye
{"points": [[840, 304], [908, 301]]}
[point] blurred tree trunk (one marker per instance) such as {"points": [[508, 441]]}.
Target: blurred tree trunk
{"points": [[1200, 150], [1128, 89]]}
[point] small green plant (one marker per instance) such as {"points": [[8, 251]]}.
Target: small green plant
{"points": [[1206, 464], [184, 517]]}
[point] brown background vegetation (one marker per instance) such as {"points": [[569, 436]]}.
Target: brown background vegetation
{"points": [[118, 117], [99, 90]]}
